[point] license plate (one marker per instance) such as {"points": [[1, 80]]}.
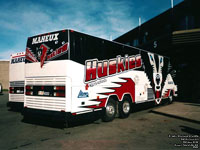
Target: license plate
{"points": [[43, 93], [46, 93]]}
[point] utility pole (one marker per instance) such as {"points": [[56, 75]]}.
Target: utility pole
{"points": [[172, 3]]}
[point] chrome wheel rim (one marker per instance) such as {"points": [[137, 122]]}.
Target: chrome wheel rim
{"points": [[170, 99], [126, 107], [110, 110]]}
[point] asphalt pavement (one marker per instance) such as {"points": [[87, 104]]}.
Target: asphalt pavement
{"points": [[165, 127]]}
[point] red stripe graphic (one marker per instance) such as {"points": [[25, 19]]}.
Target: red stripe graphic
{"points": [[18, 56], [126, 87], [158, 94], [167, 93], [102, 103], [44, 54], [30, 56]]}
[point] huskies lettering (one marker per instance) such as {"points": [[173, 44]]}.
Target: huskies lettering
{"points": [[45, 38], [18, 60], [95, 69]]}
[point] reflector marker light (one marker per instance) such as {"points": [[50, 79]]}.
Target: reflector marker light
{"points": [[59, 88]]}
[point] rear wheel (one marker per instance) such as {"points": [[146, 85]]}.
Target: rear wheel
{"points": [[110, 110], [125, 107], [170, 99]]}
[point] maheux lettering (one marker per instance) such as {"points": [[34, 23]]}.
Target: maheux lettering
{"points": [[18, 60], [95, 69], [45, 38]]}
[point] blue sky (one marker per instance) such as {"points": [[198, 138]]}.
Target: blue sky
{"points": [[20, 19]]}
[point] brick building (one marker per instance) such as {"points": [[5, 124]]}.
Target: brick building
{"points": [[4, 74]]}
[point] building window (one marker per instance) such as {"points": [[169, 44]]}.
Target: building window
{"points": [[135, 42], [187, 22]]}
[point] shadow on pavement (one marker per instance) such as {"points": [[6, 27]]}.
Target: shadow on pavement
{"points": [[143, 106], [193, 104], [43, 122], [148, 105], [85, 119], [188, 100], [190, 130], [174, 116], [15, 107], [79, 120]]}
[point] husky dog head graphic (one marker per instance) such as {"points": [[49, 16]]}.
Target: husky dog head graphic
{"points": [[157, 64]]}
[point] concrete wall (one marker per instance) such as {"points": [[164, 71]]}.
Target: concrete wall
{"points": [[4, 74]]}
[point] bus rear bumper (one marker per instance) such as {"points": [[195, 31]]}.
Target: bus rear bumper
{"points": [[57, 116]]}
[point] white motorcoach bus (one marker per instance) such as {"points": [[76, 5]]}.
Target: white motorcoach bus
{"points": [[16, 80], [68, 73]]}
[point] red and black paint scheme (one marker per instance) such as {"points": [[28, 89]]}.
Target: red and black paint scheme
{"points": [[78, 73], [47, 47]]}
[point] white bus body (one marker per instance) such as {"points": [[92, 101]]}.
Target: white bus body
{"points": [[16, 78], [71, 73]]}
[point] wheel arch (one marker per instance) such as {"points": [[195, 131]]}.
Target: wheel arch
{"points": [[129, 96], [117, 99], [114, 97]]}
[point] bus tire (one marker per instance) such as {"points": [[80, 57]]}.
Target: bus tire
{"points": [[124, 107], [170, 98], [110, 111]]}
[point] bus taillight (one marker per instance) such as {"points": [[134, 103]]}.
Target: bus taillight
{"points": [[11, 90], [59, 88], [29, 87], [29, 93], [29, 90], [59, 91]]}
